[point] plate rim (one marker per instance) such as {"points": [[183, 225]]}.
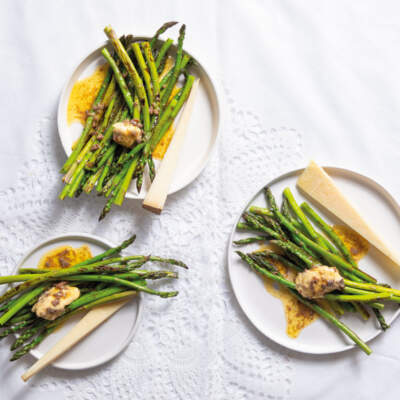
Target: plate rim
{"points": [[106, 243], [218, 100], [294, 172]]}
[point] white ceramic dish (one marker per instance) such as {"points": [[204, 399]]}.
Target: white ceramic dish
{"points": [[266, 312], [202, 132], [110, 338]]}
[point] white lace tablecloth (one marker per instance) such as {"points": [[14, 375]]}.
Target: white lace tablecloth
{"points": [[299, 80]]}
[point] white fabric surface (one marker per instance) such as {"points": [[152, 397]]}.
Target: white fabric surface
{"points": [[316, 79]]}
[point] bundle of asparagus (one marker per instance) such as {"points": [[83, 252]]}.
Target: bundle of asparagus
{"points": [[135, 106], [311, 254], [104, 278]]}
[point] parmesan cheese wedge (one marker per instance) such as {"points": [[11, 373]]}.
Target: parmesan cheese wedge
{"points": [[87, 324], [317, 184], [157, 194]]}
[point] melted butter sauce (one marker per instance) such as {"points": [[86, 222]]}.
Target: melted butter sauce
{"points": [[163, 144], [83, 94], [64, 257], [356, 244], [297, 315]]}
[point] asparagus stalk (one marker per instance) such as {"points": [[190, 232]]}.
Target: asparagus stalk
{"points": [[257, 225], [380, 319], [88, 124], [119, 114], [25, 299], [291, 248], [285, 210], [248, 240], [299, 213], [14, 329], [28, 333], [35, 342], [153, 72], [126, 181], [22, 316], [330, 318], [106, 169], [160, 31], [371, 287], [89, 185], [137, 81], [152, 168], [120, 79], [279, 258], [169, 75], [175, 73], [161, 54], [333, 258], [88, 306], [245, 227], [171, 113], [92, 296], [144, 70], [123, 282], [330, 233]]}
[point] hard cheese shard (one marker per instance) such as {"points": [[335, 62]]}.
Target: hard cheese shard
{"points": [[316, 183]]}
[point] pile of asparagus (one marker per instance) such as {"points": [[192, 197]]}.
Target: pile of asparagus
{"points": [[104, 278], [139, 86], [301, 246]]}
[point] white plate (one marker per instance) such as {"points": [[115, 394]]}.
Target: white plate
{"points": [[110, 338], [266, 312], [200, 138]]}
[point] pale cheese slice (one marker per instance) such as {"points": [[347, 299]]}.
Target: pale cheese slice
{"points": [[316, 183], [87, 324]]}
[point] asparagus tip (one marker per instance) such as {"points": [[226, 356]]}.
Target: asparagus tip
{"points": [[105, 211], [169, 294], [108, 29], [131, 239]]}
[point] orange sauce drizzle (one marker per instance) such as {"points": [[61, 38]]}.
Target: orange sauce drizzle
{"points": [[83, 94], [163, 144], [64, 257], [355, 243]]}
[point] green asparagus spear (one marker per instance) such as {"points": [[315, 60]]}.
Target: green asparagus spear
{"points": [[21, 303], [35, 342], [160, 31], [14, 329], [161, 54], [248, 240], [120, 79], [144, 70], [139, 87], [88, 124], [175, 73], [330, 233], [299, 213], [340, 263]]}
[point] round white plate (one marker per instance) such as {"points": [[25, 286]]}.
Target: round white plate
{"points": [[266, 312], [200, 138], [110, 338]]}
